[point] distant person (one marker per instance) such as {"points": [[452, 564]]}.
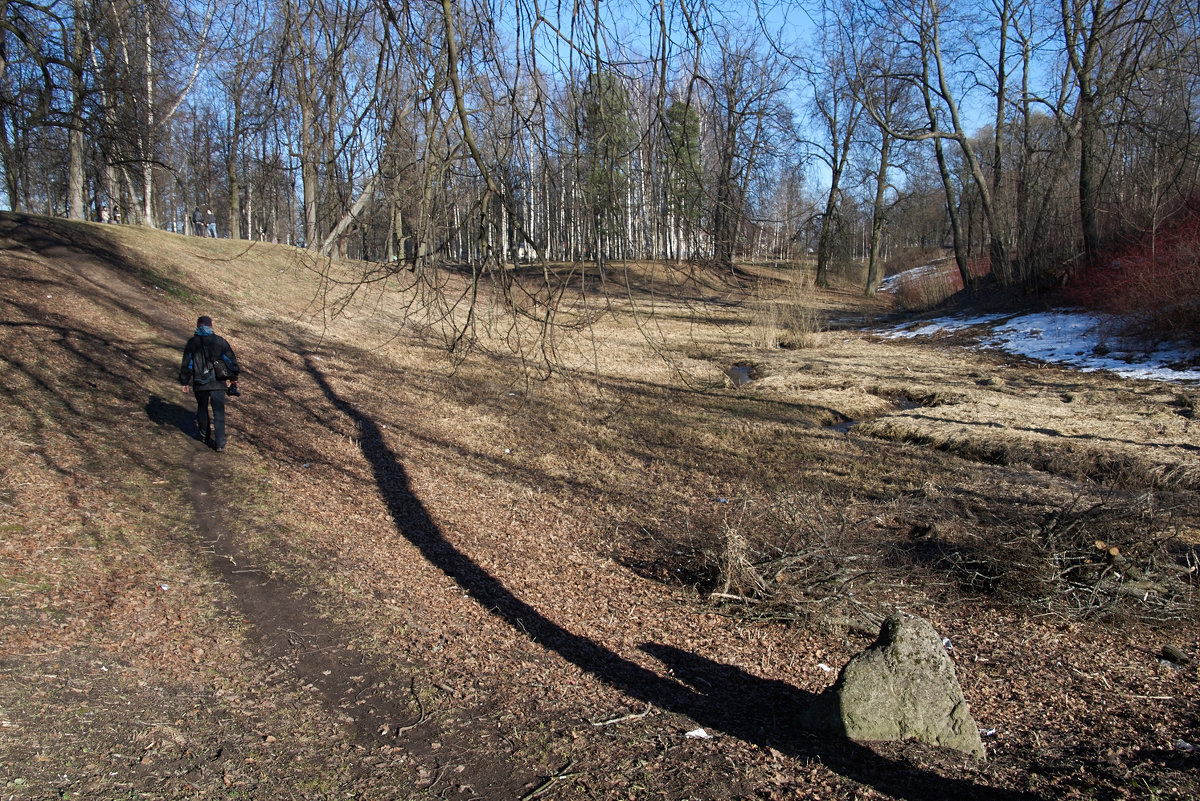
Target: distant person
{"points": [[104, 214], [212, 223], [208, 369], [116, 215], [198, 222]]}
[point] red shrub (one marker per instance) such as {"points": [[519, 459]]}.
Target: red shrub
{"points": [[927, 286], [1154, 284]]}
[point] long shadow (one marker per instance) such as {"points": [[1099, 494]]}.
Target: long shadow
{"points": [[720, 697], [165, 413]]}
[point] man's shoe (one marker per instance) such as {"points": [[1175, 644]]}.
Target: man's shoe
{"points": [[219, 449]]}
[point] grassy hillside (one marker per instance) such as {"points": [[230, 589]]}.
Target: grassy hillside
{"points": [[418, 574]]}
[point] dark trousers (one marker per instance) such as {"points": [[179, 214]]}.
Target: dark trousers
{"points": [[217, 398]]}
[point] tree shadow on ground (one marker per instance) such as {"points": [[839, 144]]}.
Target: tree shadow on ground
{"points": [[56, 238], [721, 697]]}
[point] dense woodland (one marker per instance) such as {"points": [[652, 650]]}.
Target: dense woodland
{"points": [[1030, 137]]}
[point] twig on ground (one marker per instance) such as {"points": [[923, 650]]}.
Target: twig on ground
{"points": [[732, 597], [562, 773], [420, 719], [623, 718]]}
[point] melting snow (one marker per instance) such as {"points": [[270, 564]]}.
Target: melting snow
{"points": [[1083, 340]]}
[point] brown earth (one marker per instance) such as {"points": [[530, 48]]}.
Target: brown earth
{"points": [[417, 577]]}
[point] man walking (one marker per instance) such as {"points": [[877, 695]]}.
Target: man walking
{"points": [[212, 223], [208, 363]]}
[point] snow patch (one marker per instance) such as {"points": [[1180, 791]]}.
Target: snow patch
{"points": [[1075, 338]]}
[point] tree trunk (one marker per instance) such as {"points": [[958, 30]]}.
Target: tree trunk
{"points": [[234, 145], [724, 211], [308, 169], [75, 204], [1001, 266], [997, 247], [147, 146], [359, 204], [1089, 181], [956, 232], [939, 152], [874, 267], [828, 228], [75, 143]]}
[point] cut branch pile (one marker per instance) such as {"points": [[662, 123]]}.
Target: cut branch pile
{"points": [[798, 558]]}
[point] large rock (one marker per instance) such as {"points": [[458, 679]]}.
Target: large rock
{"points": [[902, 687]]}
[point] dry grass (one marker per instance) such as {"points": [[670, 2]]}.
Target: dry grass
{"points": [[787, 313], [603, 499]]}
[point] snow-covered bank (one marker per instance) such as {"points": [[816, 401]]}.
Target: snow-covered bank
{"points": [[1079, 339]]}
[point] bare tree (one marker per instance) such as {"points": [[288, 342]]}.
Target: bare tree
{"points": [[1108, 45], [481, 133], [240, 68], [682, 176], [838, 110], [78, 98], [894, 102], [747, 119], [313, 53], [38, 67], [919, 32]]}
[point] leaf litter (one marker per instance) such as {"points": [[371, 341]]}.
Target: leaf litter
{"points": [[406, 612]]}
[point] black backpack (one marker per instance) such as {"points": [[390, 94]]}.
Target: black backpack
{"points": [[205, 368]]}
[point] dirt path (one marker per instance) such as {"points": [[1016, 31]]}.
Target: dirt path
{"points": [[284, 631], [381, 708], [114, 322]]}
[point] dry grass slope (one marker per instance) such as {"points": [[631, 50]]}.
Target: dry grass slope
{"points": [[502, 587]]}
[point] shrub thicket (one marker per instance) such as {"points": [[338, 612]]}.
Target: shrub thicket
{"points": [[1153, 283]]}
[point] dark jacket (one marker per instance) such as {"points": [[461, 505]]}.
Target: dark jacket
{"points": [[197, 353]]}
